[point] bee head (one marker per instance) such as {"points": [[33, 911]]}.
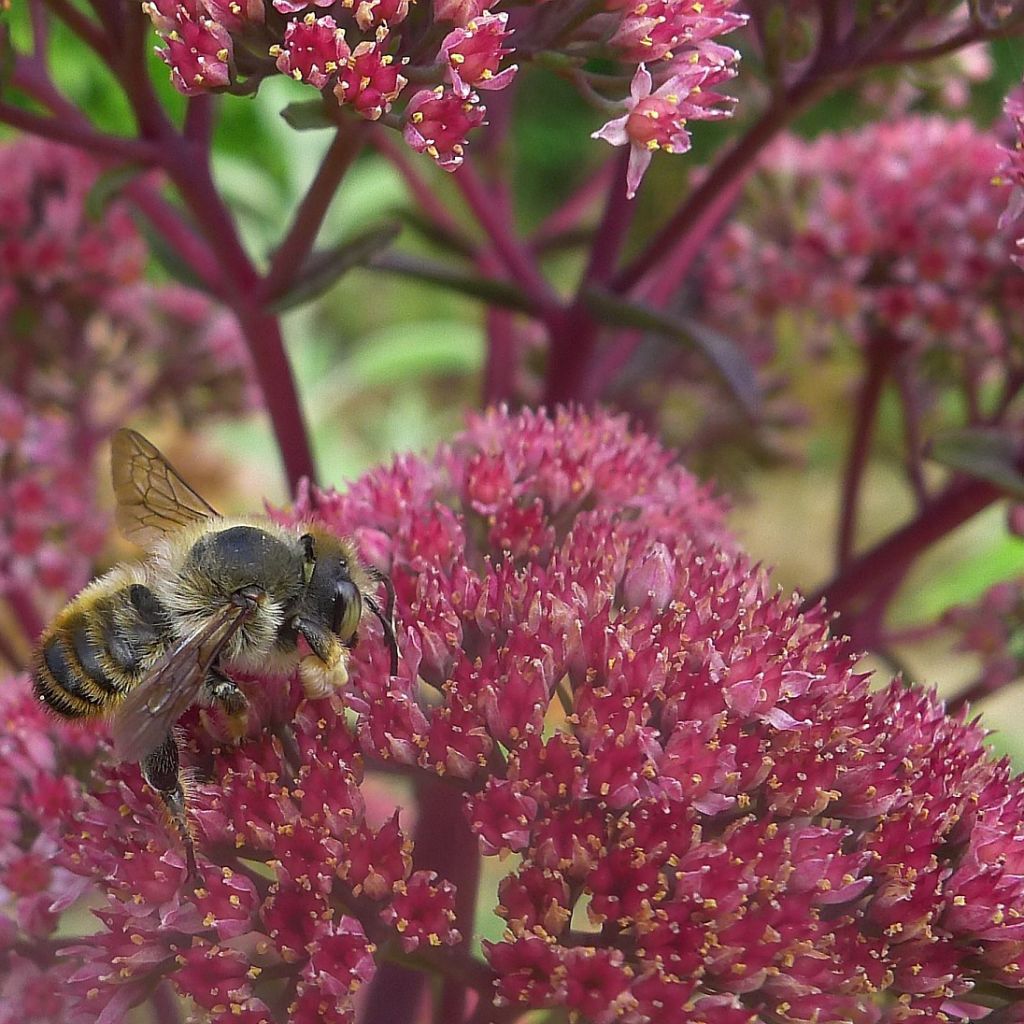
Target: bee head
{"points": [[332, 595], [338, 587]]}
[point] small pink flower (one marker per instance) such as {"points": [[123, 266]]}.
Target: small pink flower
{"points": [[369, 81], [473, 54], [198, 52], [312, 51], [657, 120], [654, 29], [437, 123], [165, 13]]}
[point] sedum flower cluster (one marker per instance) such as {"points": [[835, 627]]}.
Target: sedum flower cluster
{"points": [[1011, 170], [38, 795], [421, 67], [715, 818], [85, 343], [888, 233]]}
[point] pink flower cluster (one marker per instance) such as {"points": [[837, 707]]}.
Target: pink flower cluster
{"points": [[86, 344], [38, 796], [1011, 170], [716, 819], [680, 36], [50, 531], [365, 53], [887, 233]]}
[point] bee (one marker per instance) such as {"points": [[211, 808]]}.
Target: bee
{"points": [[144, 642]]}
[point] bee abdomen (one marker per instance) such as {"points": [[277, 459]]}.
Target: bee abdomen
{"points": [[98, 648], [60, 681]]}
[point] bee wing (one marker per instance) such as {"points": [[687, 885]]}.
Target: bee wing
{"points": [[171, 686], [152, 498]]}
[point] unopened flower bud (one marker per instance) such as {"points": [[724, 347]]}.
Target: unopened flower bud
{"points": [[652, 580]]}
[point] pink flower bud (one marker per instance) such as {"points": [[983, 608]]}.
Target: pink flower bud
{"points": [[653, 580], [459, 12]]}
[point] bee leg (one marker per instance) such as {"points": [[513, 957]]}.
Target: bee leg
{"points": [[160, 769], [223, 690]]}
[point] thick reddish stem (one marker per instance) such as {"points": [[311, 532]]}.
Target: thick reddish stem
{"points": [[879, 360], [502, 357], [864, 576], [445, 844], [574, 343], [300, 238], [517, 260]]}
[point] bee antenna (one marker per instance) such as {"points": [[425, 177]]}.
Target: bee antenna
{"points": [[387, 624]]}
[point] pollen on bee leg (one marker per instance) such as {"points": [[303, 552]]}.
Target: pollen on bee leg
{"points": [[320, 680]]}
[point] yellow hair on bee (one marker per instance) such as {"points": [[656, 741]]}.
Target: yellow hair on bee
{"points": [[320, 680]]}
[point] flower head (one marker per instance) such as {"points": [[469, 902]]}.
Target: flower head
{"points": [[887, 232], [656, 120], [716, 817], [461, 47], [369, 81], [198, 51]]}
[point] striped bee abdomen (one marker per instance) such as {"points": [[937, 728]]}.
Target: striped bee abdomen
{"points": [[98, 648]]}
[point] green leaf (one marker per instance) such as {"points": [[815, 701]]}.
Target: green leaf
{"points": [[438, 235], [108, 187], [728, 360], [495, 293], [988, 455], [308, 115], [323, 269]]}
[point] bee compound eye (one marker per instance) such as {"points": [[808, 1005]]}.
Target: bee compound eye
{"points": [[348, 610]]}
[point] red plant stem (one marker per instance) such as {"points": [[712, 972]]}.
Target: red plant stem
{"points": [[879, 357], [298, 241], [573, 346], [85, 28], [425, 196], [199, 120], [616, 356], [166, 1008], [970, 694], [188, 167], [517, 261], [78, 135], [912, 438], [443, 843], [189, 246], [502, 358], [865, 575]]}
